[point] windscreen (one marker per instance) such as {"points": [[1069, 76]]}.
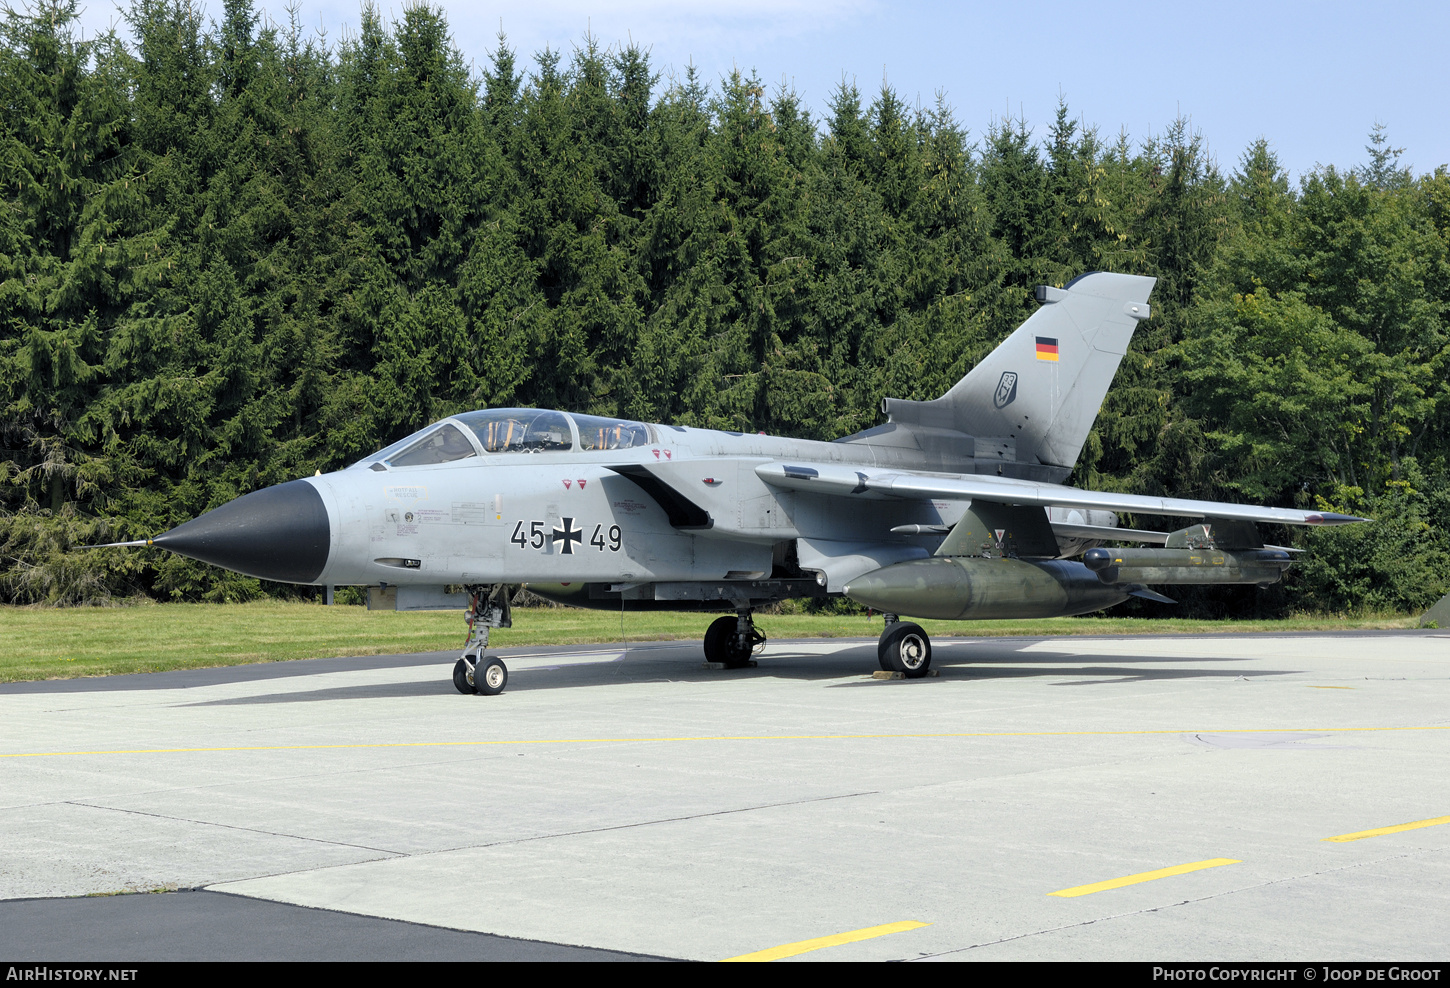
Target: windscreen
{"points": [[396, 447], [440, 446]]}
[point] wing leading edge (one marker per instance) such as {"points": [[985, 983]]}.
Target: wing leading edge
{"points": [[846, 481]]}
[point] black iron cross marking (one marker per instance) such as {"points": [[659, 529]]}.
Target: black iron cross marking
{"points": [[568, 535]]}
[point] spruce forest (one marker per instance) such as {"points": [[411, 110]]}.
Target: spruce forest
{"points": [[232, 254]]}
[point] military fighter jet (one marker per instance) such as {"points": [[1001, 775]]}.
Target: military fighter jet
{"points": [[954, 508]]}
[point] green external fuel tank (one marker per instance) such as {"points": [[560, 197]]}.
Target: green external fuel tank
{"points": [[976, 587]]}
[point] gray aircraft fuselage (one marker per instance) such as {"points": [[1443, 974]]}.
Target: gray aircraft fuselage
{"points": [[571, 516]]}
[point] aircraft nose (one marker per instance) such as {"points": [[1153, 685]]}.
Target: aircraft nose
{"points": [[279, 533]]}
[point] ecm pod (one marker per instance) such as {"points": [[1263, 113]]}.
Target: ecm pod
{"points": [[1187, 566]]}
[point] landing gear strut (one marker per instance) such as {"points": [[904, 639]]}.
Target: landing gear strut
{"points": [[488, 607], [904, 648], [732, 640]]}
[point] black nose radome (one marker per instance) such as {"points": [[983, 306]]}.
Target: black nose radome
{"points": [[280, 533]]}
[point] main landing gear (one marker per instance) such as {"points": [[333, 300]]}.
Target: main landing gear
{"points": [[904, 648], [488, 607], [731, 641]]}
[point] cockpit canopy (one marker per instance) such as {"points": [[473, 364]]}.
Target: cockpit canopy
{"points": [[509, 430], [519, 430]]}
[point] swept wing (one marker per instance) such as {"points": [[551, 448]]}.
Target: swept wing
{"points": [[848, 481]]}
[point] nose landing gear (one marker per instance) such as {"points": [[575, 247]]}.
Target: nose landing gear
{"points": [[476, 672]]}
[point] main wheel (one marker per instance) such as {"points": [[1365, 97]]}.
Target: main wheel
{"points": [[722, 644], [881, 658], [491, 676], [906, 649], [463, 677]]}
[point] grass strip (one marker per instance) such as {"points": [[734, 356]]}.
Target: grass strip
{"points": [[61, 643]]}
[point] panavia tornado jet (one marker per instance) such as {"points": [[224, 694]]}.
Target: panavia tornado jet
{"points": [[953, 509]]}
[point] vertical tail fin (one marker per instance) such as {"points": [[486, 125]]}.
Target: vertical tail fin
{"points": [[1032, 401]]}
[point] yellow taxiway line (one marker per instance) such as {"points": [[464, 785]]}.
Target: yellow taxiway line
{"points": [[806, 946], [1362, 834], [1142, 876], [724, 737]]}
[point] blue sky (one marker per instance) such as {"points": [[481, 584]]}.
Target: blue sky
{"points": [[1313, 78]]}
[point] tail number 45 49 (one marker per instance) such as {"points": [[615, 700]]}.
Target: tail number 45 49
{"points": [[565, 536]]}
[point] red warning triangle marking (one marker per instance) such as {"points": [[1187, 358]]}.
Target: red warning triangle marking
{"points": [[566, 483], [581, 483]]}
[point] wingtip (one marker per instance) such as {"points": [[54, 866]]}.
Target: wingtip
{"points": [[1333, 518]]}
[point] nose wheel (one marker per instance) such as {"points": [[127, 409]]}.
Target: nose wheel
{"points": [[463, 676], [487, 676], [488, 607], [904, 648]]}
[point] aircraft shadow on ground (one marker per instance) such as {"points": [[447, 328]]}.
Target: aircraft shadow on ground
{"points": [[181, 679], [1109, 675], [949, 653], [956, 662]]}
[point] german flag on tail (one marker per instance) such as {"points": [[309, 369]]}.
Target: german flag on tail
{"points": [[1046, 349]]}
